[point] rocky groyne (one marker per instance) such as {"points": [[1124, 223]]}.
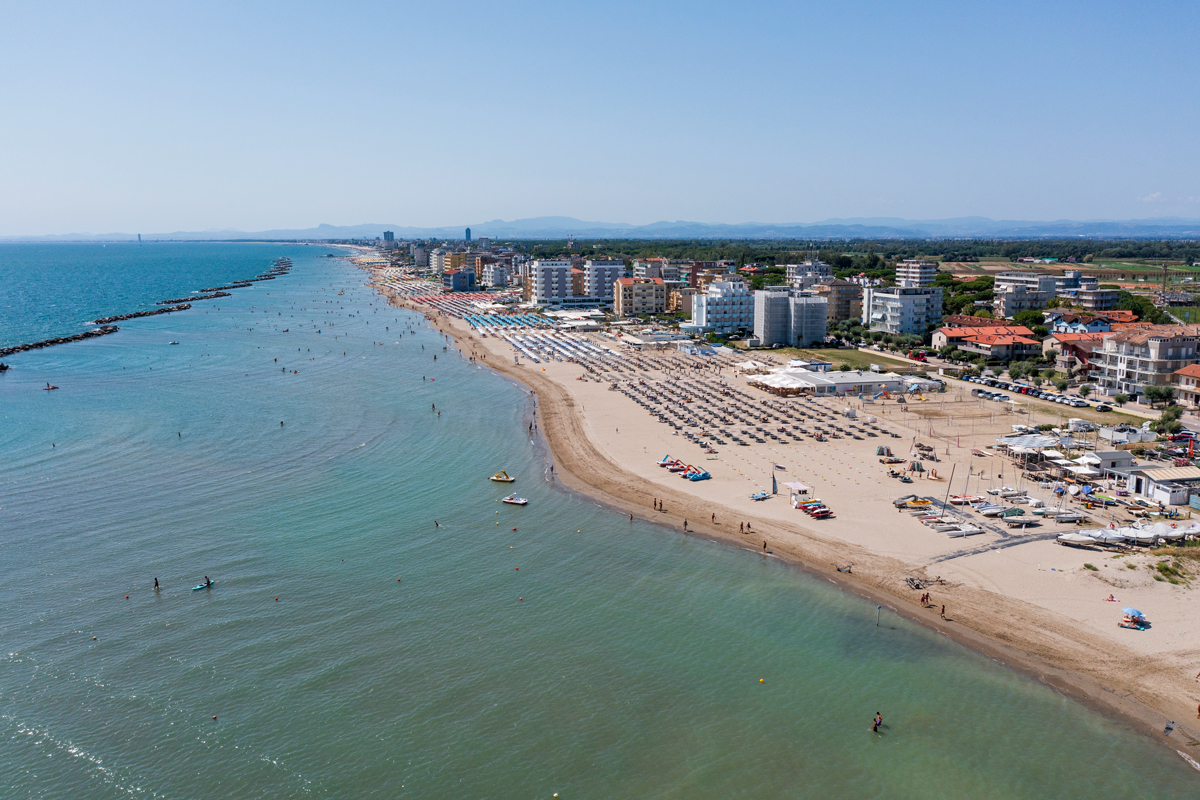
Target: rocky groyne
{"points": [[78, 337], [193, 299], [136, 314], [281, 267]]}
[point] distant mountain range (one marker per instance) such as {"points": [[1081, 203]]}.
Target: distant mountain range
{"points": [[560, 227]]}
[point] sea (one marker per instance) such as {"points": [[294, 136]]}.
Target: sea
{"points": [[379, 625]]}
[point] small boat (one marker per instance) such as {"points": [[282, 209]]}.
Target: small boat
{"points": [[1076, 540], [514, 500], [172, 342], [760, 496], [697, 476], [502, 477], [48, 388], [203, 586], [919, 503], [664, 461]]}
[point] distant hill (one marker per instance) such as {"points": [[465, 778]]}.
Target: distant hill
{"points": [[560, 227]]}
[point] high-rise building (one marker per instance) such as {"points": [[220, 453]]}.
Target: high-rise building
{"points": [[787, 316], [485, 244], [901, 309], [636, 296], [550, 281], [468, 236], [916, 273], [599, 276], [844, 298], [802, 276], [389, 236], [724, 307]]}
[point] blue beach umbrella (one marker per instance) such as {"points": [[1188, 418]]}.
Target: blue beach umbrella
{"points": [[1132, 612]]}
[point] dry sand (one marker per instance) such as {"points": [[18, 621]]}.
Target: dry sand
{"points": [[1017, 596]]}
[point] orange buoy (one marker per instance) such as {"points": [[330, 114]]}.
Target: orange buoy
{"points": [[520, 598]]}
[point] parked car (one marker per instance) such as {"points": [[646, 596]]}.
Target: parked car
{"points": [[1103, 407]]}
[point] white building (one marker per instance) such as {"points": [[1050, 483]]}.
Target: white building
{"points": [[803, 276], [437, 260], [724, 307], [901, 309], [551, 282], [495, 275], [665, 268], [783, 315], [599, 277], [915, 273]]}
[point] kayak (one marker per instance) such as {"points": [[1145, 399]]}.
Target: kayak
{"points": [[202, 586]]}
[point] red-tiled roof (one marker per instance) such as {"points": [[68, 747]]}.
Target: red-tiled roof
{"points": [[995, 339], [1190, 371]]}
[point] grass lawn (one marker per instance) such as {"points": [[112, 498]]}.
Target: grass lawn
{"points": [[1192, 314], [854, 358]]}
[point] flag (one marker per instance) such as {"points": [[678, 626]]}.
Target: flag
{"points": [[780, 466], [1191, 443]]}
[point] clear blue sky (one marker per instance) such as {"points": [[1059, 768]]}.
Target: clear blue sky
{"points": [[128, 116]]}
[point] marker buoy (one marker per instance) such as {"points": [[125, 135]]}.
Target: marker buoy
{"points": [[514, 529], [127, 596], [516, 568], [276, 599], [760, 680], [520, 598], [214, 717]]}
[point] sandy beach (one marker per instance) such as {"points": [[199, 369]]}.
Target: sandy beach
{"points": [[1014, 594]]}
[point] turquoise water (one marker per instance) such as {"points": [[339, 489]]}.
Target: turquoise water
{"points": [[630, 668]]}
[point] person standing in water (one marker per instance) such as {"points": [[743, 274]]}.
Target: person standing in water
{"points": [[156, 584]]}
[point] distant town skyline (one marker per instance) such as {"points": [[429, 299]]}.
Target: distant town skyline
{"points": [[275, 116]]}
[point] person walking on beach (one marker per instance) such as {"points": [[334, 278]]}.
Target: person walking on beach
{"points": [[943, 612], [714, 518], [685, 526], [764, 547], [741, 527]]}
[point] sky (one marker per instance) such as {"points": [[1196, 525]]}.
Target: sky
{"points": [[158, 117]]}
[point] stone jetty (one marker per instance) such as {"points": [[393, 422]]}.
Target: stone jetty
{"points": [[78, 337], [193, 298], [136, 314]]}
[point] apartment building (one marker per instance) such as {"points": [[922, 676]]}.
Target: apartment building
{"points": [[1135, 358], [679, 298], [550, 281], [1093, 299], [960, 333], [901, 309], [843, 298], [665, 268], [724, 307], [599, 276], [808, 273], [787, 316], [1072, 352], [638, 296], [1187, 385], [916, 273], [495, 274]]}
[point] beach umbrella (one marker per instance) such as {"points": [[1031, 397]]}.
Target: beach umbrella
{"points": [[1132, 612]]}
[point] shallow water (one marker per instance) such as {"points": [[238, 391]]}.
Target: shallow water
{"points": [[619, 660]]}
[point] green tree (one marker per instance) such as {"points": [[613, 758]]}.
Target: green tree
{"points": [[1061, 385], [1029, 318], [983, 313], [1085, 390], [844, 368], [1121, 399]]}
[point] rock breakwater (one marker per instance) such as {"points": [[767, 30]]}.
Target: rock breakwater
{"points": [[78, 337], [136, 314]]}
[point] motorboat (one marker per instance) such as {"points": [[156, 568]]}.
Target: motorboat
{"points": [[1067, 516], [172, 342], [1076, 540], [760, 495], [502, 477], [514, 500]]}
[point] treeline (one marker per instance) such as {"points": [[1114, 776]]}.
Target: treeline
{"points": [[780, 251]]}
